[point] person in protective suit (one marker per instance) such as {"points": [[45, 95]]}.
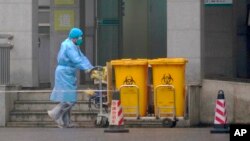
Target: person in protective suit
{"points": [[69, 59]]}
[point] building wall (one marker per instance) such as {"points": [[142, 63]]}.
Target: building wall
{"points": [[226, 37], [19, 18], [236, 99], [219, 53], [240, 10]]}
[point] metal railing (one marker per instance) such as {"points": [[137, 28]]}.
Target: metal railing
{"points": [[5, 47]]}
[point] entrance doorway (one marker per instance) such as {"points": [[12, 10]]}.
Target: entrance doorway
{"points": [[108, 38], [44, 43], [130, 29]]}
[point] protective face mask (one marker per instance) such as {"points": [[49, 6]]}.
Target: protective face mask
{"points": [[79, 41]]}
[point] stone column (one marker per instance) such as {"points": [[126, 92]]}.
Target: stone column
{"points": [[185, 40], [184, 35], [8, 94]]}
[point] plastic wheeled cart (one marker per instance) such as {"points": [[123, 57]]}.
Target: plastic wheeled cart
{"points": [[166, 113]]}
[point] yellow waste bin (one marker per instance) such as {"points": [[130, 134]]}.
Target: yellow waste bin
{"points": [[168, 71], [131, 76]]}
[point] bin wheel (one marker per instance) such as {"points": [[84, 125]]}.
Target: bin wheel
{"points": [[102, 122], [168, 123]]}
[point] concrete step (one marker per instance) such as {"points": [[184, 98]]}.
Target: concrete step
{"points": [[48, 124], [47, 105], [42, 116], [91, 124], [37, 96]]}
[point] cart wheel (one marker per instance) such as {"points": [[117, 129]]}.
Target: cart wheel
{"points": [[105, 122], [168, 123], [174, 123], [102, 122], [97, 123]]}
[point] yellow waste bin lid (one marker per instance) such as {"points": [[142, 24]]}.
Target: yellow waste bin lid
{"points": [[126, 62], [162, 61]]}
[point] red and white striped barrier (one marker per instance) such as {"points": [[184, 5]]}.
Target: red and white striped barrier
{"points": [[116, 120], [220, 118], [116, 114], [220, 112]]}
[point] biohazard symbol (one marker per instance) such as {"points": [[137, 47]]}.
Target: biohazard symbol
{"points": [[167, 79], [129, 80]]}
